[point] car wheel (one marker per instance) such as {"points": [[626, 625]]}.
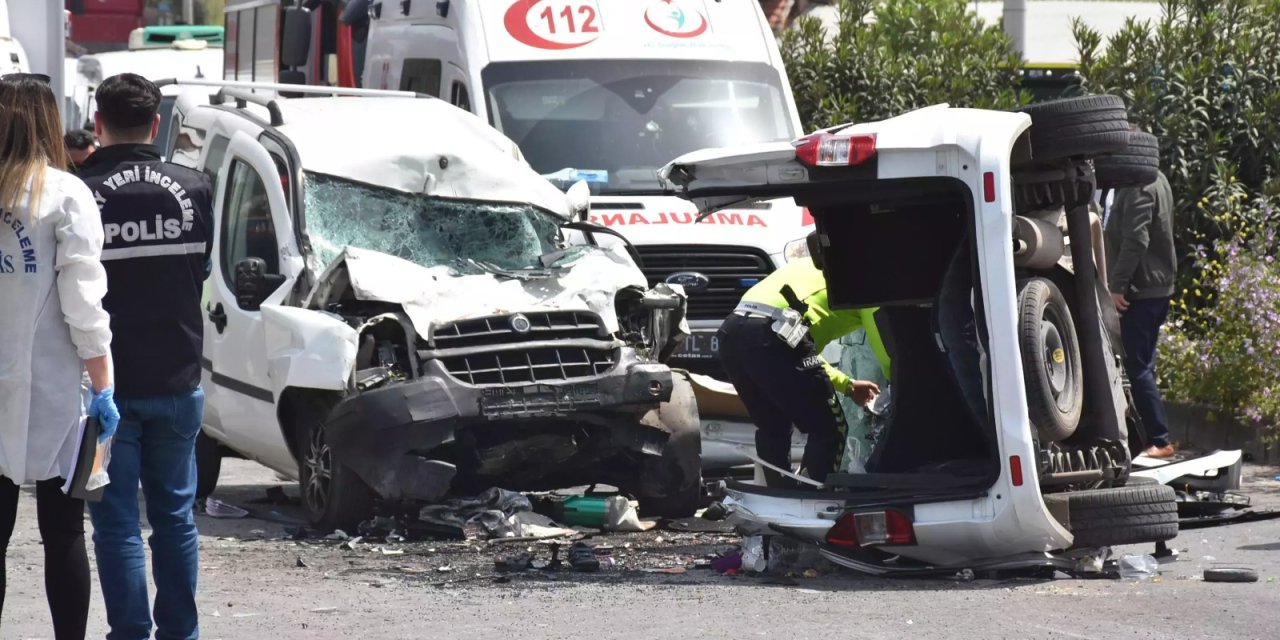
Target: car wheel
{"points": [[1082, 127], [1050, 360], [208, 466], [680, 465], [1138, 165], [1123, 515], [334, 496]]}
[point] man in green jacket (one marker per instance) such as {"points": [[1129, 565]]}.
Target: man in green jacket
{"points": [[1141, 270], [769, 347]]}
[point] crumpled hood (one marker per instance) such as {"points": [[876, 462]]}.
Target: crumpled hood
{"points": [[434, 296]]}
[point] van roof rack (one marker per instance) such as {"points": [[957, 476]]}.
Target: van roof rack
{"points": [[242, 93]]}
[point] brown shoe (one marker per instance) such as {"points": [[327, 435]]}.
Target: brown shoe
{"points": [[1162, 453]]}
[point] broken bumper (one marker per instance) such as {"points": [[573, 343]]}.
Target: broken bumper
{"points": [[415, 440]]}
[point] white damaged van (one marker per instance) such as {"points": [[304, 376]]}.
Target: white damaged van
{"points": [[607, 92]]}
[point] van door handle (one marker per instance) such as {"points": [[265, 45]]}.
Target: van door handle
{"points": [[218, 317]]}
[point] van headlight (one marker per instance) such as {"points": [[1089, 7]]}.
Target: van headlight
{"points": [[796, 249]]}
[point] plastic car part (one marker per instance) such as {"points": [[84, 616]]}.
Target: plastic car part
{"points": [[681, 458], [1230, 574], [1122, 515], [1136, 166], [1050, 360], [1082, 127]]}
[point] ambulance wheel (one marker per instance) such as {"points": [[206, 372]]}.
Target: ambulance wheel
{"points": [[1138, 165], [334, 496], [208, 466], [1082, 127], [680, 466], [1123, 515], [1050, 360]]}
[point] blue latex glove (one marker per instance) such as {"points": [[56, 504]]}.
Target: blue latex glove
{"points": [[103, 408]]}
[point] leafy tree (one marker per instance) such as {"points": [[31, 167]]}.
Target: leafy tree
{"points": [[893, 57]]}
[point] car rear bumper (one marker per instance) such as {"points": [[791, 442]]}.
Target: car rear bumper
{"points": [[960, 530]]}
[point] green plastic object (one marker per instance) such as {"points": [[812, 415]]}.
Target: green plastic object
{"points": [[585, 512]]}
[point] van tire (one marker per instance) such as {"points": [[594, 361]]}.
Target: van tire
{"points": [[1051, 364], [1137, 166], [1123, 515], [681, 460], [1083, 127], [208, 467], [340, 501]]}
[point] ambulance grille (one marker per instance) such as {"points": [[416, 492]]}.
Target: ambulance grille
{"points": [[731, 271], [524, 366]]}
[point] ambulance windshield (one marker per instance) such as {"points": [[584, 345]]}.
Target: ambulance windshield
{"points": [[614, 123]]}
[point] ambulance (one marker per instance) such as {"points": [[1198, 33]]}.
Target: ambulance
{"points": [[604, 92]]}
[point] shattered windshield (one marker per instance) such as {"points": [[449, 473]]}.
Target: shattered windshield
{"points": [[469, 235], [615, 123]]}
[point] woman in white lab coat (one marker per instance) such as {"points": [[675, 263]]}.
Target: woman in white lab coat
{"points": [[52, 330]]}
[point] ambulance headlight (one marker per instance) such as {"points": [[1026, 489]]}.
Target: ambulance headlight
{"points": [[795, 250]]}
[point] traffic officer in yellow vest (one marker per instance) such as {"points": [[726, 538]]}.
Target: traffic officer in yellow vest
{"points": [[769, 347]]}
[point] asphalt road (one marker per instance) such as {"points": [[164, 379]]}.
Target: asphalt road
{"points": [[258, 583]]}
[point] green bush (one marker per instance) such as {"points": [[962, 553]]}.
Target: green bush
{"points": [[1206, 81], [915, 53]]}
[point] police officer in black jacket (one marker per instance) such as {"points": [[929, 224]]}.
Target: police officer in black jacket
{"points": [[157, 223]]}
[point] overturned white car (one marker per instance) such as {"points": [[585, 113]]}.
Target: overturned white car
{"points": [[394, 313], [1007, 442]]}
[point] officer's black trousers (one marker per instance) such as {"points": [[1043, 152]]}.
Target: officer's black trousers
{"points": [[780, 387]]}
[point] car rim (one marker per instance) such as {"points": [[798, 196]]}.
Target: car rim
{"points": [[319, 472], [1056, 362]]}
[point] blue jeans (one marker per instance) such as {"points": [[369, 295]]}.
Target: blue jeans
{"points": [[1140, 332], [155, 447]]}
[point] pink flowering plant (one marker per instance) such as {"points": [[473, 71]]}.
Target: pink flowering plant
{"points": [[1222, 348]]}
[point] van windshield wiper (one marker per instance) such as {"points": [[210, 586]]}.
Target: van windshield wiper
{"points": [[525, 273]]}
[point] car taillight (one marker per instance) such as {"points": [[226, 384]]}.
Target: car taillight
{"points": [[835, 150], [872, 528]]}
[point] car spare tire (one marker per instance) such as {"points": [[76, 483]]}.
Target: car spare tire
{"points": [[1051, 363], [1123, 515], [1136, 166], [1083, 127]]}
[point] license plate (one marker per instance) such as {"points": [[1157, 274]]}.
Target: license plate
{"points": [[702, 345], [538, 400]]}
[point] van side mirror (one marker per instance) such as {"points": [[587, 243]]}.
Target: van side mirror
{"points": [[578, 196], [295, 37], [253, 284]]}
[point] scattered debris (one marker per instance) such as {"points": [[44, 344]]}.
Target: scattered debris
{"points": [[352, 544], [302, 564], [753, 558], [325, 610], [727, 563], [700, 525], [1142, 568], [668, 570], [390, 552], [1230, 574], [445, 569], [513, 563], [338, 534], [583, 558], [215, 508]]}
